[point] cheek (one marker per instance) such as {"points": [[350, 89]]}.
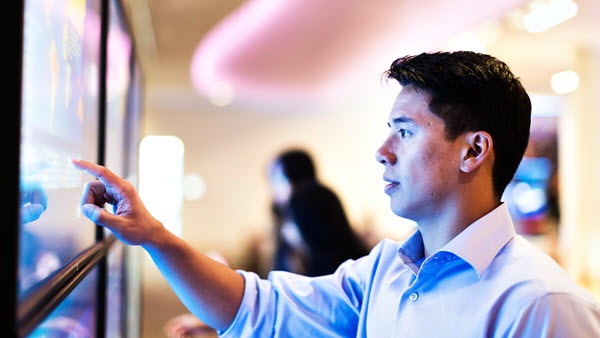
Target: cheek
{"points": [[435, 164], [444, 165], [429, 159]]}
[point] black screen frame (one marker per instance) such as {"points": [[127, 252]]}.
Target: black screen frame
{"points": [[10, 137]]}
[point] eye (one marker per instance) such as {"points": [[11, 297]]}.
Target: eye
{"points": [[404, 133]]}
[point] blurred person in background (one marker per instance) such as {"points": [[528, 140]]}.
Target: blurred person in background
{"points": [[312, 231], [312, 234]]}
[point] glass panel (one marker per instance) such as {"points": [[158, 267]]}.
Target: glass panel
{"points": [[75, 317], [118, 81], [59, 122], [115, 294]]}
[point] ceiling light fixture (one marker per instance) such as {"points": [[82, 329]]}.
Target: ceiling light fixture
{"points": [[475, 40], [544, 14], [564, 82]]}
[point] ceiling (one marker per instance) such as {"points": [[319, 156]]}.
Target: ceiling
{"points": [[310, 49], [167, 33]]}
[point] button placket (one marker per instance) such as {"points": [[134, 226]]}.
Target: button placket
{"points": [[413, 296]]}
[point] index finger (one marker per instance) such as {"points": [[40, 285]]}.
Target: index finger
{"points": [[105, 176]]}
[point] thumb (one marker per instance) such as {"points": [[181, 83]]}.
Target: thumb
{"points": [[96, 214]]}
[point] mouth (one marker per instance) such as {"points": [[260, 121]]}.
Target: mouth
{"points": [[390, 186]]}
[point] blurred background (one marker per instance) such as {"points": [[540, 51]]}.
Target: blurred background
{"points": [[228, 84]]}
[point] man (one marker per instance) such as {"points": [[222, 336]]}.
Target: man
{"points": [[458, 130]]}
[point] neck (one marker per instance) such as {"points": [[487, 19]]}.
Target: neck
{"points": [[447, 224]]}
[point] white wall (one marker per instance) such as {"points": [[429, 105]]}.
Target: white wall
{"points": [[579, 157], [231, 150]]}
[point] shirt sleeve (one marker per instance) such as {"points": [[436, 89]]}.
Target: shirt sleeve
{"points": [[292, 305], [557, 315]]}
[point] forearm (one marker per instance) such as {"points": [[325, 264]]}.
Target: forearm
{"points": [[210, 290]]}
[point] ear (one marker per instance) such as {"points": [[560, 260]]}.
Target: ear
{"points": [[478, 148]]}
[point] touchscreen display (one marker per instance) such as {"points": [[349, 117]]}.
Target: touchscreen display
{"points": [[60, 121]]}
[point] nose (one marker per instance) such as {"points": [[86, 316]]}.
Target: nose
{"points": [[385, 153]]}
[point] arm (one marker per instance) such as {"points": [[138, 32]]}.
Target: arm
{"points": [[210, 290]]}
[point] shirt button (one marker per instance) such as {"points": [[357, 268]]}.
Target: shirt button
{"points": [[413, 296]]}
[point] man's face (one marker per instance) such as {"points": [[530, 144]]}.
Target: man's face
{"points": [[421, 165]]}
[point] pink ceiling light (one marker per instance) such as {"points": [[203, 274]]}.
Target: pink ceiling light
{"points": [[281, 51]]}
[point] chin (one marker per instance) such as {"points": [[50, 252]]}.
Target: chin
{"points": [[401, 211], [398, 211]]}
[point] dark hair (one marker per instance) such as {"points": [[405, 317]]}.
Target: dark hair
{"points": [[325, 228], [297, 165], [473, 91]]}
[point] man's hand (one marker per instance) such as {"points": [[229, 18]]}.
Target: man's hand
{"points": [[130, 221]]}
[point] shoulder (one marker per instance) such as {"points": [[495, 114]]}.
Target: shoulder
{"points": [[559, 314], [387, 245], [532, 291], [535, 274], [385, 252]]}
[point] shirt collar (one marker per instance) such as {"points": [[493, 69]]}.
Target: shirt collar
{"points": [[480, 242], [477, 245], [412, 250]]}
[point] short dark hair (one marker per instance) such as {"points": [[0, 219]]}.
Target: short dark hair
{"points": [[298, 165], [472, 91]]}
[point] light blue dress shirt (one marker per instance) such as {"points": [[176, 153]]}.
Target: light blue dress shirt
{"points": [[486, 282]]}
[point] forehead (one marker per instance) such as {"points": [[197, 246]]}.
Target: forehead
{"points": [[411, 106]]}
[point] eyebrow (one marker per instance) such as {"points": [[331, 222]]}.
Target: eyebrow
{"points": [[401, 119]]}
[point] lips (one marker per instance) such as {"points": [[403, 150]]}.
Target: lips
{"points": [[390, 186]]}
